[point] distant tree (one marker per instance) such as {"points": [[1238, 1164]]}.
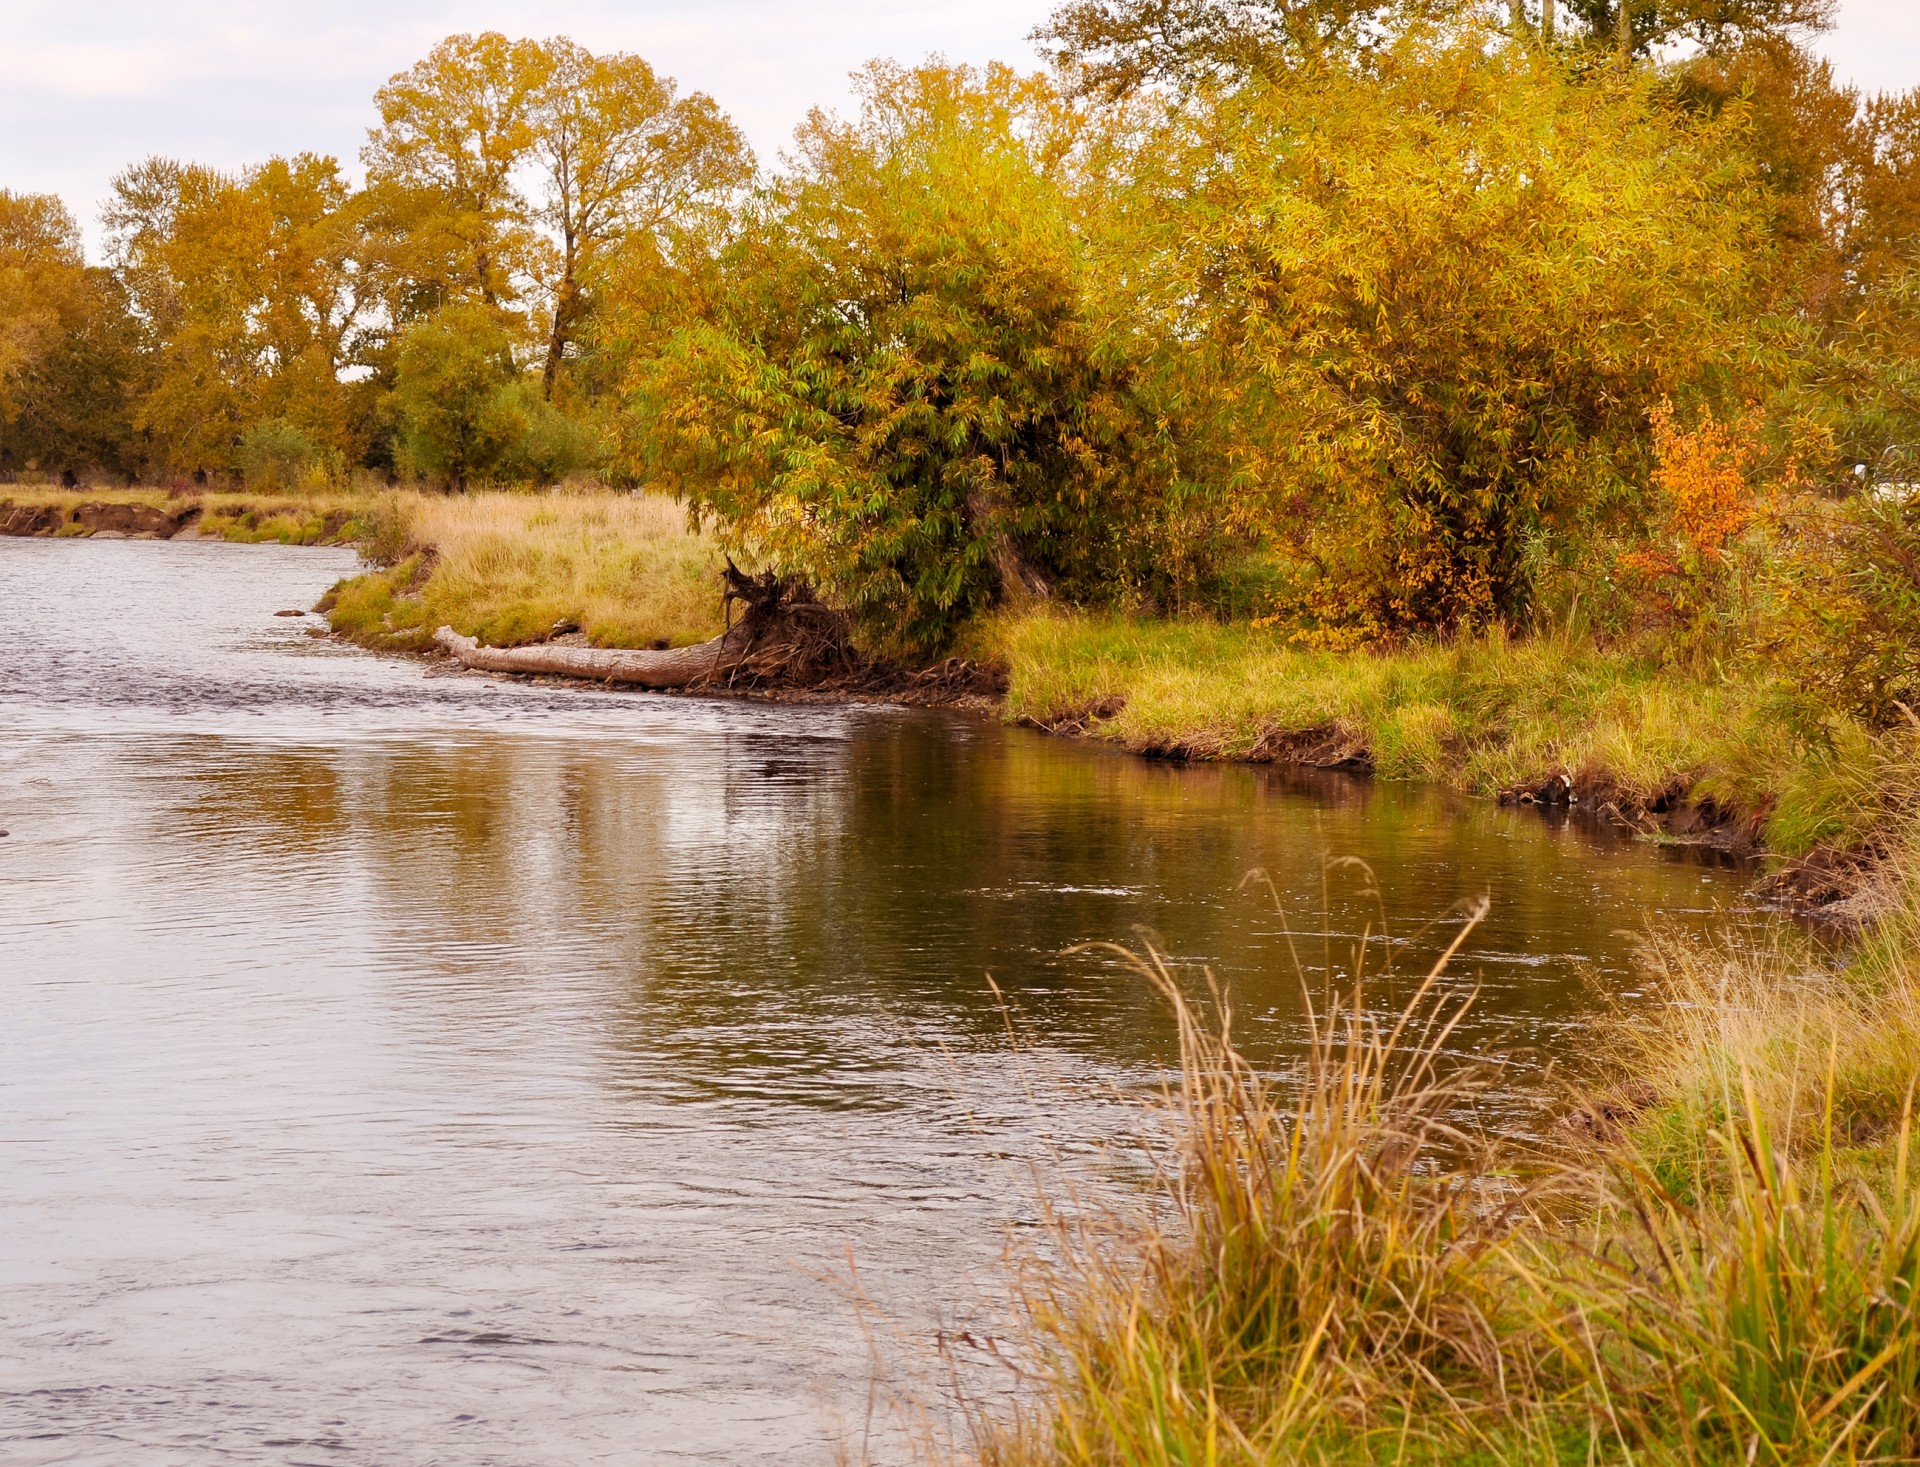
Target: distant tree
{"points": [[251, 293], [454, 129], [68, 346], [623, 160], [452, 367]]}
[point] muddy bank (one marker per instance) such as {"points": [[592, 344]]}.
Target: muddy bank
{"points": [[132, 518], [1849, 887]]}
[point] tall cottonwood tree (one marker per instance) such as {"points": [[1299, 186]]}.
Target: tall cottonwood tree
{"points": [[454, 130], [623, 159]]}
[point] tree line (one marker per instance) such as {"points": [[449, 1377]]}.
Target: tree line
{"points": [[1362, 316]]}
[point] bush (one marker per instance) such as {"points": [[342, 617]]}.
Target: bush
{"points": [[277, 455], [1846, 625], [904, 391]]}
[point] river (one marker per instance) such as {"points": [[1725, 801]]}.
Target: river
{"points": [[403, 1069]]}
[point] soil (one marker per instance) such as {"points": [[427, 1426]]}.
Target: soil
{"points": [[132, 521]]}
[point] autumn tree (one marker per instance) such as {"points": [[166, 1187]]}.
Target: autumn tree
{"points": [[1446, 293], [454, 129], [68, 348], [901, 390], [250, 292], [1114, 47], [623, 160]]}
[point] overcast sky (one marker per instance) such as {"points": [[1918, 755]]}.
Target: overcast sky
{"points": [[91, 85]]}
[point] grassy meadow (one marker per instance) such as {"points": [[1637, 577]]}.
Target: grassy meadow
{"points": [[514, 568]]}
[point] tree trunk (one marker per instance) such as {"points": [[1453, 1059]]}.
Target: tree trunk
{"points": [[677, 667], [565, 306]]}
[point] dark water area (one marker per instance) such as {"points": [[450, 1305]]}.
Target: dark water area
{"points": [[402, 1069]]}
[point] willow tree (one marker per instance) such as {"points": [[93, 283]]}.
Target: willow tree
{"points": [[901, 390], [1445, 293]]}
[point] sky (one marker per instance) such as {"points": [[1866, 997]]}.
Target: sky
{"points": [[92, 85]]}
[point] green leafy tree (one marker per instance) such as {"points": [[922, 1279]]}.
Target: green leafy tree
{"points": [[900, 390], [467, 414]]}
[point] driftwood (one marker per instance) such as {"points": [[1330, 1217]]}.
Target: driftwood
{"points": [[677, 667], [785, 636]]}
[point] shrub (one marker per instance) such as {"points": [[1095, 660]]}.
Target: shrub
{"points": [[277, 455], [903, 391], [1846, 624]]}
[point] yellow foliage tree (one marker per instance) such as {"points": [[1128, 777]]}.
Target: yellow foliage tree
{"points": [[67, 347], [250, 292], [1443, 294]]}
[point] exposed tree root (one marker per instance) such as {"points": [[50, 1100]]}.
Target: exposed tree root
{"points": [[785, 637]]}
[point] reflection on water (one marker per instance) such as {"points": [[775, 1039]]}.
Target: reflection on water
{"points": [[406, 1069]]}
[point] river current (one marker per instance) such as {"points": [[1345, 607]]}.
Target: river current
{"points": [[400, 1069]]}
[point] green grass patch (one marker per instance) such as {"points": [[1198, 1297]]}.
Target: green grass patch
{"points": [[1484, 714]]}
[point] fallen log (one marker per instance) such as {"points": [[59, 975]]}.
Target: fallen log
{"points": [[677, 667], [784, 638]]}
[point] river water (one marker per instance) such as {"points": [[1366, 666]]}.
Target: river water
{"points": [[401, 1069]]}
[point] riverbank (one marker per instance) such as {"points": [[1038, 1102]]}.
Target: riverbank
{"points": [[1706, 756], [165, 514], [1713, 1258], [1625, 733]]}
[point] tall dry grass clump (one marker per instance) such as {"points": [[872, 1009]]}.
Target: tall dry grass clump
{"points": [[1718, 1262], [1745, 1287], [1319, 1264], [625, 569]]}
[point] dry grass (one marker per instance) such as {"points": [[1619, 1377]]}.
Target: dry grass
{"points": [[510, 568], [1330, 1269]]}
